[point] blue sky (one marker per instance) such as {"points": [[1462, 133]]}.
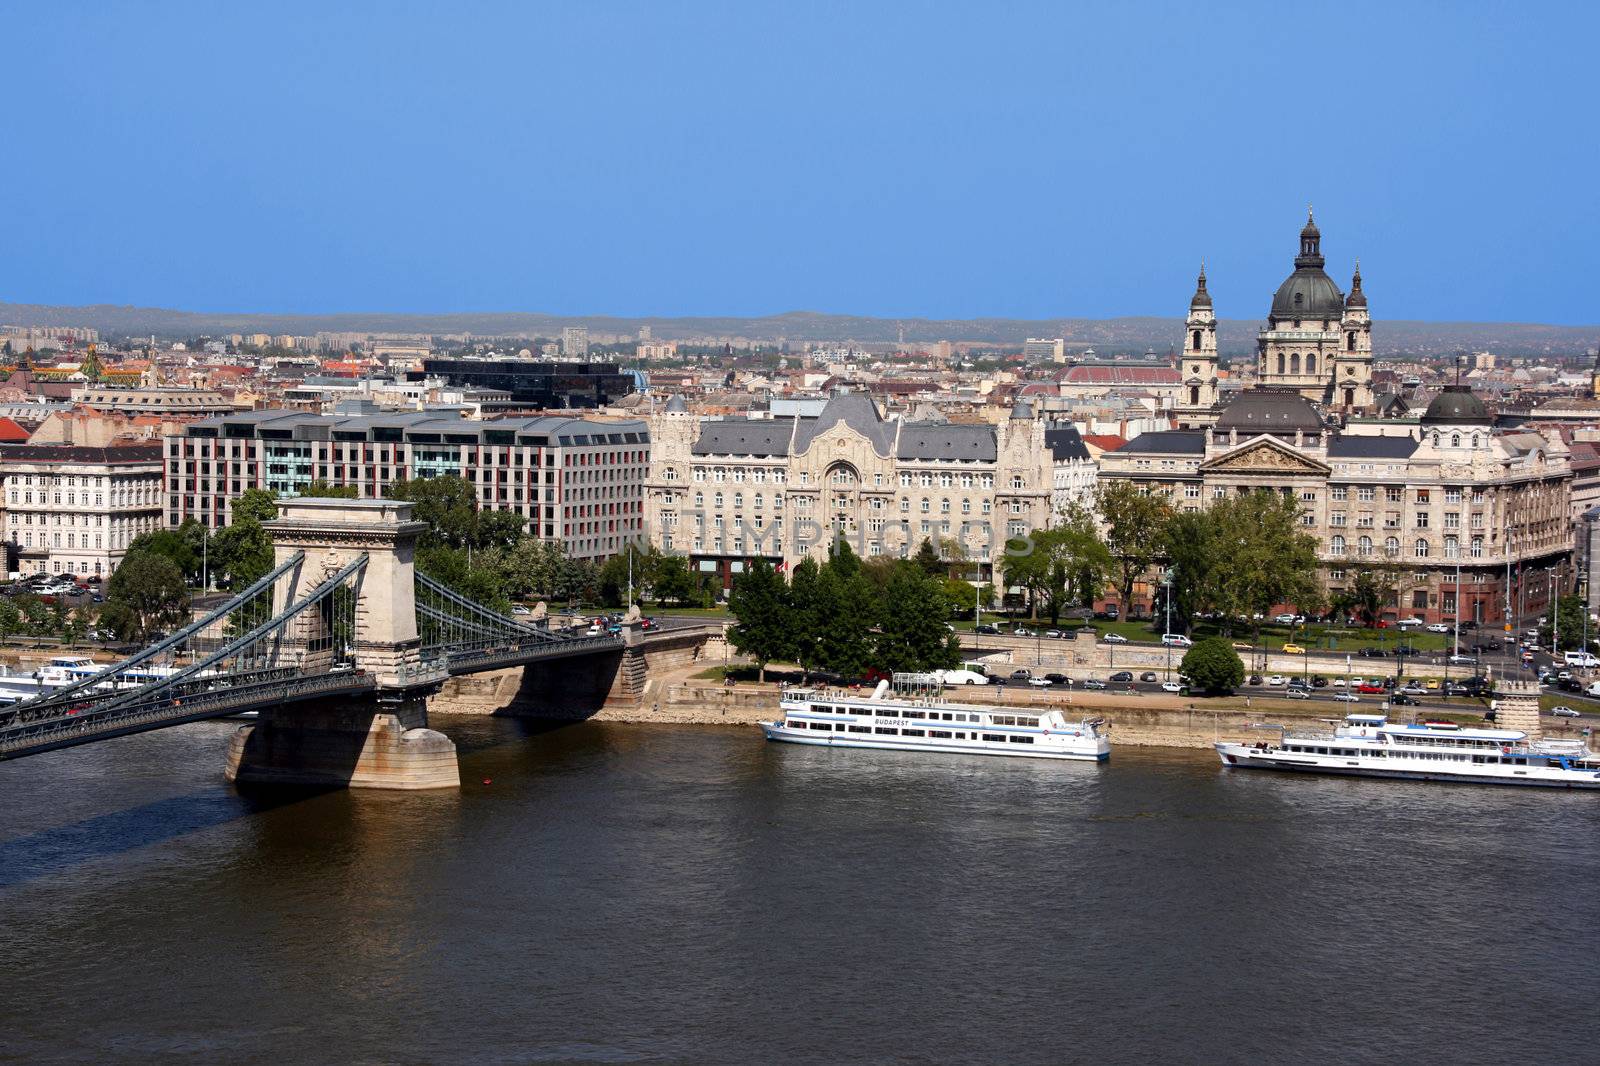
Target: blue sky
{"points": [[962, 160]]}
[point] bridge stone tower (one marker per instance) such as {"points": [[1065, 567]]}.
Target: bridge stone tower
{"points": [[381, 743], [1517, 707]]}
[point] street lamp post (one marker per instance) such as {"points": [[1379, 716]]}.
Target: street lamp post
{"points": [[1167, 583]]}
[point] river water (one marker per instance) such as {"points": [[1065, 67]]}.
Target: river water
{"points": [[647, 894]]}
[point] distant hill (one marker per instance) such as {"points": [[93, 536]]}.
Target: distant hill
{"points": [[798, 327]]}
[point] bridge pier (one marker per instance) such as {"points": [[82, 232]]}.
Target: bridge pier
{"points": [[371, 743], [344, 745]]}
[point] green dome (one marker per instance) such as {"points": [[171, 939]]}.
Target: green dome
{"points": [[1456, 406]]}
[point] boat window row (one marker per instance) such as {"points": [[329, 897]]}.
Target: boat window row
{"points": [[1311, 749], [891, 731]]}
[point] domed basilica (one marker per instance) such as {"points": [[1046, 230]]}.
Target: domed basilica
{"points": [[1317, 341]]}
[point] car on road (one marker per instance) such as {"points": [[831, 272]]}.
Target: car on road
{"points": [[1347, 697], [1113, 638], [1372, 653], [1122, 676], [1407, 623], [1021, 675], [1094, 683], [519, 609], [1284, 619], [1297, 694], [1148, 676], [962, 677], [1058, 679], [1176, 640], [987, 628], [1463, 660], [1411, 688], [1023, 631], [1039, 682], [1564, 711], [1371, 688], [1171, 686], [1438, 627], [1400, 699], [1053, 634], [1240, 645], [1293, 649]]}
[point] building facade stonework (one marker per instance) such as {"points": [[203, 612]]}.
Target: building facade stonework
{"points": [[1450, 494], [725, 491]]}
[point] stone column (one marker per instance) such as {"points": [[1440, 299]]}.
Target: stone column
{"points": [[355, 743], [1517, 707]]}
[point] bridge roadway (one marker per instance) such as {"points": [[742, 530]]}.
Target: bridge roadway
{"points": [[86, 719]]}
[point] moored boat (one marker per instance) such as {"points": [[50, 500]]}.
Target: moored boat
{"points": [[917, 718], [1369, 745]]}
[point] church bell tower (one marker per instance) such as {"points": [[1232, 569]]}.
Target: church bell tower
{"points": [[1197, 367], [1352, 377]]}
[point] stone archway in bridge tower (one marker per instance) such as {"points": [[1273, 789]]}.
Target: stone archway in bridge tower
{"points": [[333, 533]]}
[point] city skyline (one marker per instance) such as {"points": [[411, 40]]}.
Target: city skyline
{"points": [[1030, 163]]}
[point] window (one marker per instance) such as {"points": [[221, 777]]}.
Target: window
{"points": [[997, 738], [1420, 548], [1364, 546], [1336, 545], [1339, 492]]}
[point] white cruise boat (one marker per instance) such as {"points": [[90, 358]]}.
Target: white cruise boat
{"points": [[920, 720], [1369, 745]]}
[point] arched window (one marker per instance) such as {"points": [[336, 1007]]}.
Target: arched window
{"points": [[1311, 364], [1280, 362], [1455, 440], [1194, 396], [1435, 438], [1391, 547], [1474, 440], [1195, 344], [1350, 341], [1364, 546], [1420, 549], [1477, 547], [1294, 363], [1452, 547], [716, 501], [1336, 546], [1299, 298]]}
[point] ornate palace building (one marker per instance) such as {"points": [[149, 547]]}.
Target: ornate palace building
{"points": [[724, 491], [1448, 495]]}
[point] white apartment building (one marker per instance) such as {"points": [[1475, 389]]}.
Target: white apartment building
{"points": [[72, 509]]}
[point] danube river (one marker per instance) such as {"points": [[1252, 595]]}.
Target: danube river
{"points": [[622, 894]]}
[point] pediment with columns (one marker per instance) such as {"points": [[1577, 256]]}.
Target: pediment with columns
{"points": [[1265, 455]]}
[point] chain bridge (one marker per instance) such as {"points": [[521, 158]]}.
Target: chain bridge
{"points": [[336, 649]]}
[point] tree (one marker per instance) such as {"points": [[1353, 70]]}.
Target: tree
{"points": [[913, 636], [846, 612], [1569, 626], [257, 504], [146, 594], [1261, 555], [1135, 523], [1373, 589], [805, 607], [447, 504], [1188, 544], [499, 529], [928, 560], [326, 490], [674, 583], [1213, 666], [179, 546], [10, 618], [1067, 564], [759, 602]]}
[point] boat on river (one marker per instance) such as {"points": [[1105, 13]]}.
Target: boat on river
{"points": [[917, 718], [1369, 745]]}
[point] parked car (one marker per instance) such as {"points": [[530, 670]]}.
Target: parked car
{"points": [[1438, 627], [1022, 631], [520, 609], [1319, 682], [1284, 619], [1039, 682], [987, 628], [1053, 634], [1301, 683], [1370, 688], [1564, 712], [1121, 676], [1293, 649], [1253, 679], [1112, 611], [1148, 676], [1176, 640], [1277, 681], [1114, 638], [1058, 679], [1407, 623], [1171, 686]]}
